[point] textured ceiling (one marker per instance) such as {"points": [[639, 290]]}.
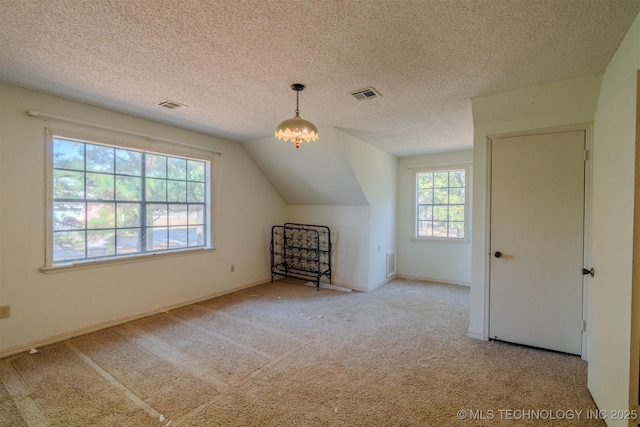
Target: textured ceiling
{"points": [[232, 62]]}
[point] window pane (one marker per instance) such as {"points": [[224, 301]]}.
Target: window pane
{"points": [[456, 229], [425, 228], [128, 241], [441, 196], [128, 188], [456, 213], [425, 180], [440, 213], [68, 185], [456, 178], [196, 214], [178, 215], [68, 245], [456, 195], [68, 154], [100, 159], [128, 162], [440, 229], [101, 215], [425, 213], [441, 179], [157, 238], [195, 170], [156, 190], [99, 186], [101, 243], [68, 216], [425, 196], [157, 215], [177, 168], [177, 237], [156, 166], [195, 192], [177, 191], [128, 215], [196, 236]]}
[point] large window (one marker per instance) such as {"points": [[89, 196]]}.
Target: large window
{"points": [[109, 201], [441, 208]]}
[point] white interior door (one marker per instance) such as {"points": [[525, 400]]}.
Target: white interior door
{"points": [[537, 234]]}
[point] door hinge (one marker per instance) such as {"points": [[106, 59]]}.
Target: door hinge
{"points": [[591, 272], [584, 326], [586, 155]]}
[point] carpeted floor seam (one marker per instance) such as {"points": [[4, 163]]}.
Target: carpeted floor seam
{"points": [[211, 333], [162, 349], [177, 422], [134, 398], [20, 395], [261, 326]]}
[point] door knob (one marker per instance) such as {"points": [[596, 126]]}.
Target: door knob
{"points": [[498, 254]]}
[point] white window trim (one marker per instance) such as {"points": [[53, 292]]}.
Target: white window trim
{"points": [[467, 202], [148, 147]]}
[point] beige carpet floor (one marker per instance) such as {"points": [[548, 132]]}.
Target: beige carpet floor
{"points": [[284, 354]]}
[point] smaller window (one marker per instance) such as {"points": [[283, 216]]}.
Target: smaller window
{"points": [[441, 204]]}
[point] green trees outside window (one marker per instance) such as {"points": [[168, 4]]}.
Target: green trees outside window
{"points": [[440, 197], [110, 201]]}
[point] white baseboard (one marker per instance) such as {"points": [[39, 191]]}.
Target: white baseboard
{"points": [[430, 279], [476, 335], [328, 286], [388, 279]]}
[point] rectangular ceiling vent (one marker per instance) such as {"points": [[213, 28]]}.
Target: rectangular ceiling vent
{"points": [[368, 93], [171, 105]]}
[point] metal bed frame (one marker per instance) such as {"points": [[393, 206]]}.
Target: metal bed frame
{"points": [[301, 251]]}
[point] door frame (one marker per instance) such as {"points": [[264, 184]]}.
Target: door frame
{"points": [[634, 369], [586, 282]]}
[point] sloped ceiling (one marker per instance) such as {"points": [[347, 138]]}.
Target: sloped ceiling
{"points": [[319, 175], [232, 61]]}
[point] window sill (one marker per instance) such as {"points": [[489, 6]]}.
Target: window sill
{"points": [[440, 240], [84, 265]]}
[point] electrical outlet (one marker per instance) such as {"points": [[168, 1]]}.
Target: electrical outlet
{"points": [[233, 268], [5, 311]]}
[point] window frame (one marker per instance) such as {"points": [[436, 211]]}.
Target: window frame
{"points": [[467, 202], [148, 147]]}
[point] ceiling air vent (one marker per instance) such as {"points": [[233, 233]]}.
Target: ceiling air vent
{"points": [[368, 93], [171, 105]]}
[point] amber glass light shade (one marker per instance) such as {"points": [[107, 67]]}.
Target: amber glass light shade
{"points": [[297, 129]]}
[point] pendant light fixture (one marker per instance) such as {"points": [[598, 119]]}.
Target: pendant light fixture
{"points": [[297, 129]]}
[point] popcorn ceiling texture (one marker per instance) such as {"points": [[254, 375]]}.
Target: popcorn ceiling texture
{"points": [[232, 62]]}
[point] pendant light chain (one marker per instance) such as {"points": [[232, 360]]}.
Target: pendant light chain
{"points": [[297, 103]]}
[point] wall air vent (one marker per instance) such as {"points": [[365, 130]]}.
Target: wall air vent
{"points": [[391, 264], [368, 93], [171, 105]]}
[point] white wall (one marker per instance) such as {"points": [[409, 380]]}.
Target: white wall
{"points": [[47, 307], [349, 227], [377, 173], [609, 315], [443, 261], [364, 233], [559, 104]]}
